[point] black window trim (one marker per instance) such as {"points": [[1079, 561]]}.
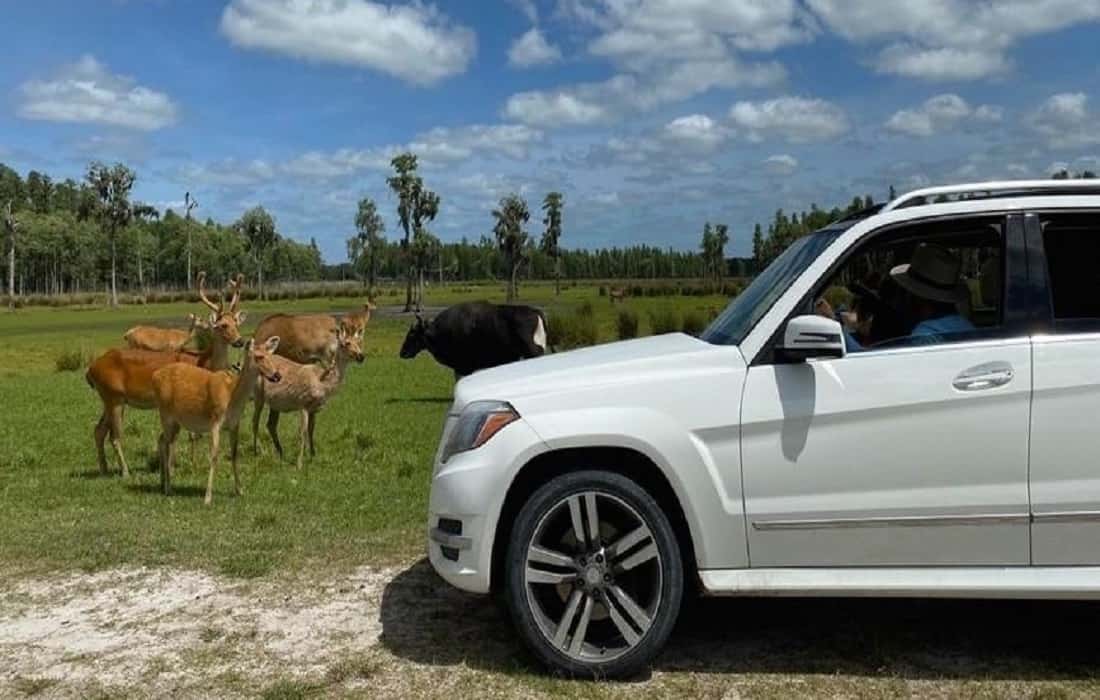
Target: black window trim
{"points": [[1045, 321], [1015, 322]]}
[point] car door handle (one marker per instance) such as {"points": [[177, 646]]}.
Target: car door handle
{"points": [[987, 376]]}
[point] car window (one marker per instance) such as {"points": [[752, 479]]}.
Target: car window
{"points": [[926, 284], [733, 324], [1072, 246]]}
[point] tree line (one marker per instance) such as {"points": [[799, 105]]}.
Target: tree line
{"points": [[68, 237]]}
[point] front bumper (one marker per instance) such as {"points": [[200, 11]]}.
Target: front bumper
{"points": [[466, 498]]}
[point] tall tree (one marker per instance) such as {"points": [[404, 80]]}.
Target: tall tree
{"points": [[425, 249], [369, 228], [757, 249], [10, 227], [551, 236], [511, 216], [142, 213], [111, 186], [258, 229], [721, 238], [415, 206], [189, 203]]}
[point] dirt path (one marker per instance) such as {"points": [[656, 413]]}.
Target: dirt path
{"points": [[400, 633]]}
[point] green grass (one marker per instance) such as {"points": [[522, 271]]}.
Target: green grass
{"points": [[363, 499]]}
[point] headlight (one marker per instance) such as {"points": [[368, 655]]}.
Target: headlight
{"points": [[477, 423]]}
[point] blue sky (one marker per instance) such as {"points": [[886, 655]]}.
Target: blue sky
{"points": [[652, 116]]}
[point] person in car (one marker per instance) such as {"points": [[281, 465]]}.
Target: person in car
{"points": [[935, 291]]}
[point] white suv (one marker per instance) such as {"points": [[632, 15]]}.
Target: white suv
{"points": [[768, 457]]}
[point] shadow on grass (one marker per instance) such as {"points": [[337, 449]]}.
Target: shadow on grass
{"points": [[419, 399], [95, 474], [181, 491], [426, 621]]}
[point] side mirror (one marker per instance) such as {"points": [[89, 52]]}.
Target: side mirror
{"points": [[807, 337]]}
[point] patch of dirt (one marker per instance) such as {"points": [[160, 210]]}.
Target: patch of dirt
{"points": [[156, 628]]}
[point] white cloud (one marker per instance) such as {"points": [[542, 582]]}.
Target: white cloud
{"points": [[415, 42], [949, 39], [939, 113], [781, 164], [591, 103], [1066, 122], [229, 172], [532, 49], [460, 143], [941, 64], [528, 8], [86, 92], [697, 132], [794, 119], [666, 51]]}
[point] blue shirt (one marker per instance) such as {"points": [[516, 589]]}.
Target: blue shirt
{"points": [[927, 332]]}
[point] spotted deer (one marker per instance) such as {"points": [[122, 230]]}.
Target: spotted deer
{"points": [[205, 401]]}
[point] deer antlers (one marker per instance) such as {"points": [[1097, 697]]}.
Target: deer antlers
{"points": [[235, 284]]}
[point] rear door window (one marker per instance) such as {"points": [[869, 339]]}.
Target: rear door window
{"points": [[1072, 246]]}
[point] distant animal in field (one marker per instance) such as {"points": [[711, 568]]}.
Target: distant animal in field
{"points": [[617, 294], [124, 377], [307, 338], [477, 335], [304, 388], [203, 401], [163, 339]]}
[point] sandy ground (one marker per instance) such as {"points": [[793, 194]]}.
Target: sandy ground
{"points": [[157, 628], [400, 632]]}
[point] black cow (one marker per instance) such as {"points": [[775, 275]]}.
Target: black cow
{"points": [[477, 335]]}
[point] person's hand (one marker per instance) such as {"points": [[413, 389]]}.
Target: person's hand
{"points": [[824, 308]]}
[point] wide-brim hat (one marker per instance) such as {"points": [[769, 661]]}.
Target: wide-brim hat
{"points": [[933, 274]]}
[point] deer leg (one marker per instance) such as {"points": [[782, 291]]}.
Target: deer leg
{"points": [[169, 431], [215, 435], [115, 421], [101, 430], [234, 440], [258, 400], [273, 430], [303, 425], [312, 423]]}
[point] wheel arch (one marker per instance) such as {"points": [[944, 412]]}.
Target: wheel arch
{"points": [[625, 461]]}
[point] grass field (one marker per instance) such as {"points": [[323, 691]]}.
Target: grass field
{"points": [[312, 583]]}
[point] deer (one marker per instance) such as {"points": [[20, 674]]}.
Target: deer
{"points": [[307, 338], [617, 294], [124, 376], [206, 401], [163, 339], [304, 388]]}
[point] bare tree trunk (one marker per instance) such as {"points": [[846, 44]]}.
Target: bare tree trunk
{"points": [[370, 291], [409, 288], [114, 288], [420, 290], [187, 223], [11, 272], [512, 282], [141, 273], [260, 276], [557, 276]]}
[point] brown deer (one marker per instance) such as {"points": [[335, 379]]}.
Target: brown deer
{"points": [[205, 401], [617, 294], [124, 377], [304, 388], [309, 338], [163, 339]]}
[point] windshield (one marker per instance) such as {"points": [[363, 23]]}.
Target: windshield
{"points": [[731, 327]]}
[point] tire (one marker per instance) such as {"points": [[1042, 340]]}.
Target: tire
{"points": [[621, 590]]}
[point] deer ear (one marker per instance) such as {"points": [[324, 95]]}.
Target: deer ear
{"points": [[241, 316], [271, 344]]}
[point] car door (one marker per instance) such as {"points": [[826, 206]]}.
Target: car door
{"points": [[911, 456], [1065, 423]]}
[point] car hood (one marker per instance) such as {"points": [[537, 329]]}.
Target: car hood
{"points": [[612, 363]]}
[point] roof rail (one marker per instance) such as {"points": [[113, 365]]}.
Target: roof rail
{"points": [[991, 190]]}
